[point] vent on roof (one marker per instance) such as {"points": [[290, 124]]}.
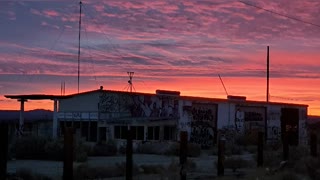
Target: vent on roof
{"points": [[236, 98], [168, 93]]}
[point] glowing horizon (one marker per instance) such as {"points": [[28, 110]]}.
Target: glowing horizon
{"points": [[180, 46]]}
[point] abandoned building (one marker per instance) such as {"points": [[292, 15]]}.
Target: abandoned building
{"points": [[102, 115]]}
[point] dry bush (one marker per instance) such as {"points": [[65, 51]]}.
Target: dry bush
{"points": [[235, 163], [194, 150], [152, 169], [271, 158], [104, 149], [233, 149], [84, 171], [26, 174], [251, 149]]}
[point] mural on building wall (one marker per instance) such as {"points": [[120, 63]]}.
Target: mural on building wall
{"points": [[133, 105], [274, 126], [249, 119], [203, 124], [303, 133]]}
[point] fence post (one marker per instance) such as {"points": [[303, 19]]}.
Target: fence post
{"points": [[183, 154], [221, 149], [260, 149], [129, 163], [313, 144], [285, 146], [3, 150], [68, 154]]}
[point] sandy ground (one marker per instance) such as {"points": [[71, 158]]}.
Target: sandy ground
{"points": [[205, 164]]}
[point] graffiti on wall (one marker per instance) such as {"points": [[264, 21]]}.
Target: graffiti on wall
{"points": [[133, 105], [274, 126], [274, 133], [203, 124], [249, 119]]}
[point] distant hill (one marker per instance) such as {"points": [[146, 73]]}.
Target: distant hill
{"points": [[33, 115]]}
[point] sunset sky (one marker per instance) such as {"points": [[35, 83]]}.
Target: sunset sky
{"points": [[169, 44]]}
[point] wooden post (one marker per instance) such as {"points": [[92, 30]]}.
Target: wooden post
{"points": [[221, 149], [3, 150], [313, 144], [68, 154], [129, 161], [183, 154], [285, 146], [260, 149]]}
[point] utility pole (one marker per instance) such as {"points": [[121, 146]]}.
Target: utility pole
{"points": [[79, 46], [267, 74], [130, 80]]}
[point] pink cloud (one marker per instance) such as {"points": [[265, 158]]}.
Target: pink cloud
{"points": [[50, 13]]}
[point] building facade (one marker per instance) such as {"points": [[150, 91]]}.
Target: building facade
{"points": [[103, 115]]}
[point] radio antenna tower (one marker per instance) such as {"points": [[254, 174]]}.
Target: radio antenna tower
{"points": [[80, 3], [130, 83]]}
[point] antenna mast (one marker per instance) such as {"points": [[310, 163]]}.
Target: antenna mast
{"points": [[130, 80], [225, 90], [79, 46], [267, 74]]}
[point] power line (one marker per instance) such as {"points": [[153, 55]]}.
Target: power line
{"points": [[280, 14]]}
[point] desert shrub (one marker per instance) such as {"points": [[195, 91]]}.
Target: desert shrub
{"points": [[246, 139], [273, 146], [26, 174], [54, 150], [105, 149], [45, 149], [289, 176], [148, 148], [235, 163], [194, 150], [214, 151], [298, 152], [84, 172], [233, 149], [29, 148], [272, 158], [152, 169], [251, 149]]}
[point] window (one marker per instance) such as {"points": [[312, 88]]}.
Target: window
{"points": [[137, 132], [169, 132], [120, 132], [153, 132]]}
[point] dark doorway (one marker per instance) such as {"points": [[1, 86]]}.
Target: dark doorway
{"points": [[102, 133], [290, 125]]}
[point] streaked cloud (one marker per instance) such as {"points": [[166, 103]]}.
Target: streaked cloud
{"points": [[178, 45]]}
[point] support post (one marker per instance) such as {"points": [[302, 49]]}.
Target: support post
{"points": [[260, 149], [3, 150], [285, 147], [129, 161], [68, 154], [313, 144], [221, 149], [183, 154], [267, 95], [21, 119], [55, 119]]}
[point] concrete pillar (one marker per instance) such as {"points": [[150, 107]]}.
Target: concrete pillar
{"points": [[161, 135], [145, 137], [98, 132], [21, 119], [55, 119]]}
